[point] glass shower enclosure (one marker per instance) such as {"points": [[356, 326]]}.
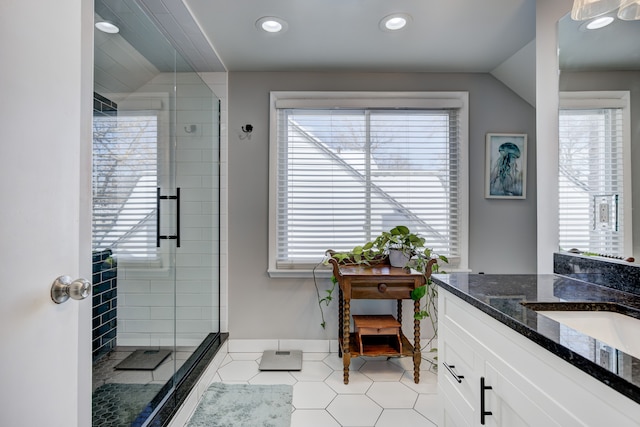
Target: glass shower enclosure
{"points": [[155, 220]]}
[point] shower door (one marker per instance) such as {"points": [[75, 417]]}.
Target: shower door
{"points": [[156, 216]]}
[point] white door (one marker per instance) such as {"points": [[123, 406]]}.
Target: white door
{"points": [[45, 191]]}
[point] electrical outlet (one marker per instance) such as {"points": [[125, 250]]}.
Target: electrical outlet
{"points": [[603, 213]]}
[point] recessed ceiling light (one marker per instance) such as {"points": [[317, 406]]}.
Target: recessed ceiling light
{"points": [[394, 22], [272, 24], [107, 27], [600, 22]]}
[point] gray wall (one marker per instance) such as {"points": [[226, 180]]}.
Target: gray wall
{"points": [[502, 233], [617, 80]]}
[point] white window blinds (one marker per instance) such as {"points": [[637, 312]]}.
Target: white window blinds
{"points": [[125, 170], [591, 180], [344, 175]]}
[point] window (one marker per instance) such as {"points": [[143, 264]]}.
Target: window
{"points": [[594, 173], [125, 182], [347, 166], [127, 164]]}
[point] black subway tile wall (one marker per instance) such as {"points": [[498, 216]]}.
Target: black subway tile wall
{"points": [[105, 274], [105, 293], [103, 105]]}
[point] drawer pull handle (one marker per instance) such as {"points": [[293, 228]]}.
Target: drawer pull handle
{"points": [[382, 288], [483, 413], [451, 368]]}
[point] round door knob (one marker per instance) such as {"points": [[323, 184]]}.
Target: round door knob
{"points": [[63, 288], [382, 287]]}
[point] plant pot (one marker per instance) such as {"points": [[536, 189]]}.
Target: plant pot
{"points": [[397, 258]]}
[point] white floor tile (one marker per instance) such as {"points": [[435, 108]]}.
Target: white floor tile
{"points": [[354, 410], [402, 417], [428, 382], [238, 371], [430, 406], [405, 363], [358, 383], [382, 370], [312, 418], [312, 371], [227, 359], [314, 356], [392, 395], [312, 395], [245, 356]]}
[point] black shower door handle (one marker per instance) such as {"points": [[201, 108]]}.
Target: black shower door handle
{"points": [[176, 236]]}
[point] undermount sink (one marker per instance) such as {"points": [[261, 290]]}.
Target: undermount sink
{"points": [[610, 323]]}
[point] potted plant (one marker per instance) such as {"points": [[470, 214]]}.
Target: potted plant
{"points": [[413, 254], [401, 245]]}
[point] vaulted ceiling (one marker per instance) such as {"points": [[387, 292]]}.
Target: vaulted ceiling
{"points": [[490, 36]]}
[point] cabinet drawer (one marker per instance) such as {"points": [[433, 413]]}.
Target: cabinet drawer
{"points": [[381, 290], [458, 373]]}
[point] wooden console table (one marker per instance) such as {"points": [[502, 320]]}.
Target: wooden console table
{"points": [[377, 282]]}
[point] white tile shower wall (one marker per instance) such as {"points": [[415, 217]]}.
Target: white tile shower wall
{"points": [[147, 305]]}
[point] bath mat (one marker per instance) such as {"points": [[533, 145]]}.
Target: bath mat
{"points": [[118, 405], [244, 405], [143, 360]]}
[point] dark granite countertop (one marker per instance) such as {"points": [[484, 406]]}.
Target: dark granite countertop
{"points": [[501, 296]]}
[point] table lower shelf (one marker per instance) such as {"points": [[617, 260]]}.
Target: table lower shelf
{"points": [[378, 345]]}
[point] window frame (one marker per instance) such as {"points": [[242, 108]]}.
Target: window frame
{"points": [[357, 99], [602, 100], [156, 103]]}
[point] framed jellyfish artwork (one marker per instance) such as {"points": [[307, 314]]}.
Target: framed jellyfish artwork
{"points": [[506, 166]]}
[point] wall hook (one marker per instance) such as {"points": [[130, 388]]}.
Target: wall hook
{"points": [[247, 129]]}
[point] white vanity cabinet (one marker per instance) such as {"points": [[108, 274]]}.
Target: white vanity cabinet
{"points": [[524, 384]]}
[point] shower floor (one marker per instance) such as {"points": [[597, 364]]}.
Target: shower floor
{"points": [[114, 386]]}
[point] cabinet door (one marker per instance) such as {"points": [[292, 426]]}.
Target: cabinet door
{"points": [[514, 405]]}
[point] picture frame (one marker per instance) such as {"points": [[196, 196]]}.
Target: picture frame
{"points": [[506, 166]]}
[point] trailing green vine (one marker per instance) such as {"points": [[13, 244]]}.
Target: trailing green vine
{"points": [[328, 294]]}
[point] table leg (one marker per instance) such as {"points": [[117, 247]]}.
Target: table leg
{"points": [[346, 353], [417, 355], [340, 321]]}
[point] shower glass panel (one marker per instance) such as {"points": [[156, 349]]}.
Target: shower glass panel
{"points": [[156, 218]]}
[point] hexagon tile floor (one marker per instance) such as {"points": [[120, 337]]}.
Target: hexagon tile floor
{"points": [[116, 405], [380, 392]]}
